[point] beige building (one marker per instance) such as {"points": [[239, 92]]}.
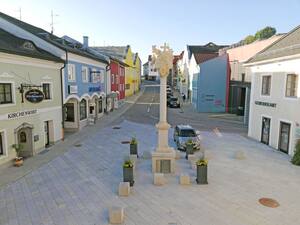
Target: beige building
{"points": [[30, 97], [275, 97]]}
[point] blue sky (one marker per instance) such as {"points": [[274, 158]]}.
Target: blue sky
{"points": [[142, 23]]}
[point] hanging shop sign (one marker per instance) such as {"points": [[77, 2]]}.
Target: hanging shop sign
{"points": [[34, 96], [268, 104]]}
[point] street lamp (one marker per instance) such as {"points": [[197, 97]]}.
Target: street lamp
{"points": [[163, 159]]}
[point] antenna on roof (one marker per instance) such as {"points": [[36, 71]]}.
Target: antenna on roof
{"points": [[52, 23], [20, 13]]}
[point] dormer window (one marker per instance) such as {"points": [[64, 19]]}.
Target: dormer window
{"points": [[29, 46]]}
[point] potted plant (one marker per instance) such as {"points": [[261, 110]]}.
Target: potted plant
{"points": [[296, 158], [189, 146], [18, 159], [202, 171], [128, 172], [133, 146]]}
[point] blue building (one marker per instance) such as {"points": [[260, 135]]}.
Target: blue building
{"points": [[210, 86]]}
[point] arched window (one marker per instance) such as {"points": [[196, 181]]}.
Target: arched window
{"points": [[82, 107]]}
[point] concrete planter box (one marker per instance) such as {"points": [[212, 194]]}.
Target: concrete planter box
{"points": [[128, 175], [189, 150], [201, 175], [133, 149]]}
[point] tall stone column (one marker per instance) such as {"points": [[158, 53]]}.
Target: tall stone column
{"points": [[163, 159]]}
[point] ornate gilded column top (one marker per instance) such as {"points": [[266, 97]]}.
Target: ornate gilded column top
{"points": [[162, 59]]}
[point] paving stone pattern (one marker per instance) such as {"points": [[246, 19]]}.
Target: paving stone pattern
{"points": [[79, 187]]}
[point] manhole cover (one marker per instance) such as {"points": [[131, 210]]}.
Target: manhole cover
{"points": [[125, 142], [116, 128], [268, 202], [77, 145]]}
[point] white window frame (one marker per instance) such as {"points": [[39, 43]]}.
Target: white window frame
{"points": [[112, 78], [51, 90], [4, 143], [85, 77], [71, 77], [261, 86], [285, 86], [12, 92]]}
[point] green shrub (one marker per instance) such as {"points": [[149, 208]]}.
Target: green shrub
{"points": [[296, 158]]}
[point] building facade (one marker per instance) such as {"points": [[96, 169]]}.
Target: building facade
{"points": [[30, 97], [211, 85], [151, 71], [275, 98]]}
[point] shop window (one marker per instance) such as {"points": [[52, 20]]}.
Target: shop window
{"points": [[46, 90], [82, 107], [100, 109], [1, 144], [69, 116], [23, 137], [266, 85], [5, 93], [291, 85]]}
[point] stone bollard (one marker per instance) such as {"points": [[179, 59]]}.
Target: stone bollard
{"points": [[184, 179], [124, 189], [159, 179], [116, 215]]}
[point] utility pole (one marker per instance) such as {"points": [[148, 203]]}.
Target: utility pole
{"points": [[20, 11]]}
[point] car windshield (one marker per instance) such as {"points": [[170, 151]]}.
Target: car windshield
{"points": [[187, 133], [174, 99]]}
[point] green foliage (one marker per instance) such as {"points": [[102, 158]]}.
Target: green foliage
{"points": [[249, 39], [296, 158], [133, 141], [202, 162], [265, 33], [18, 148], [189, 142], [128, 164]]}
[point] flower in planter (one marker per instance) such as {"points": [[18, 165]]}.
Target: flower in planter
{"points": [[128, 164], [18, 148], [133, 141], [202, 162]]}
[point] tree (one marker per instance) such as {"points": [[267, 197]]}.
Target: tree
{"points": [[265, 33], [296, 158], [249, 39]]}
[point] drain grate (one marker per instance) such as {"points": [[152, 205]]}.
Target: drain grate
{"points": [[78, 145], [116, 128], [125, 142], [269, 202]]}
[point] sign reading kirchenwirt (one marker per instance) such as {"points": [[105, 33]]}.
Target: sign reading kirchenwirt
{"points": [[34, 95], [16, 115], [268, 104]]}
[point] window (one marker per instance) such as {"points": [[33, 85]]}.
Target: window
{"points": [[84, 74], [23, 137], [127, 86], [291, 85], [5, 93], [117, 79], [1, 144], [96, 76], [112, 78], [266, 85], [71, 72], [46, 90], [83, 109], [100, 106], [243, 77], [69, 115]]}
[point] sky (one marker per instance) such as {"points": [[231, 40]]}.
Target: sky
{"points": [[143, 23]]}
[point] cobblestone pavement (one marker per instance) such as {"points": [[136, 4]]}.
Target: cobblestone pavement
{"points": [[80, 185]]}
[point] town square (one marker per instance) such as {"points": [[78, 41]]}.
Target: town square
{"points": [[109, 129]]}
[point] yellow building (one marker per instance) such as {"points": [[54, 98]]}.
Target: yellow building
{"points": [[133, 69]]}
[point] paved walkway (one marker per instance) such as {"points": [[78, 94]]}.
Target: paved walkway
{"points": [[80, 185], [9, 173]]}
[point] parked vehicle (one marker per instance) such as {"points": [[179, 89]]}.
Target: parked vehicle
{"points": [[183, 133], [173, 102]]}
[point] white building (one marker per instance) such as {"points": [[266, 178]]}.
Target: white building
{"points": [[150, 72], [275, 97]]}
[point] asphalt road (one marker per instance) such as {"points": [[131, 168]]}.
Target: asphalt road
{"points": [[146, 110]]}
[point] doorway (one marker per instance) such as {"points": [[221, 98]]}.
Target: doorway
{"points": [[241, 101], [24, 136], [47, 135], [284, 137], [265, 133]]}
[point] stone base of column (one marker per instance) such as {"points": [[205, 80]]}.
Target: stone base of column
{"points": [[163, 161]]}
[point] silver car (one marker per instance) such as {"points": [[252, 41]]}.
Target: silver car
{"points": [[183, 133]]}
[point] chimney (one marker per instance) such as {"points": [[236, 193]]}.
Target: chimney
{"points": [[85, 42]]}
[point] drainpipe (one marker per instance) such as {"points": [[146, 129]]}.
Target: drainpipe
{"points": [[106, 70], [62, 97]]}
